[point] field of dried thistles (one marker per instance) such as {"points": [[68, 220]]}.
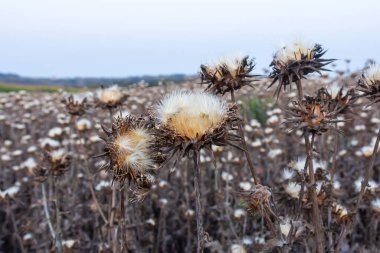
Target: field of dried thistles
{"points": [[175, 168]]}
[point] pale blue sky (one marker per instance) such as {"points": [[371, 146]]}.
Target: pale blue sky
{"points": [[118, 38]]}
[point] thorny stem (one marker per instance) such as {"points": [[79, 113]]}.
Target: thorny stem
{"points": [[245, 147], [198, 205], [316, 213], [361, 193], [46, 210]]}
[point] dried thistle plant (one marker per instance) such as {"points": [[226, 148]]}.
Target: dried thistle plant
{"points": [[313, 114], [129, 148], [369, 84], [228, 75], [74, 106], [292, 63], [258, 200], [340, 100], [57, 162], [189, 121], [110, 97]]}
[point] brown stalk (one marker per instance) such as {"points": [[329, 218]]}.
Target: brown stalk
{"points": [[368, 170], [316, 213], [198, 203], [113, 204], [332, 174]]}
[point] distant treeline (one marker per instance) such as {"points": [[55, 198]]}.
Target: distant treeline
{"points": [[91, 81]]}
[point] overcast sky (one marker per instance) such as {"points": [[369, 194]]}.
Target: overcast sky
{"points": [[117, 38]]}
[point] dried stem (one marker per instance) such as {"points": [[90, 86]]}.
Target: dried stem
{"points": [[299, 89], [46, 210], [113, 203], [90, 185], [332, 174], [245, 147], [364, 184], [198, 204], [316, 213], [367, 173]]}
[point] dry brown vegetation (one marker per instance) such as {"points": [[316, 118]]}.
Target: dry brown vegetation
{"points": [[56, 197]]}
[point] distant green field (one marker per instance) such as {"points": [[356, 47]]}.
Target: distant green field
{"points": [[9, 87]]}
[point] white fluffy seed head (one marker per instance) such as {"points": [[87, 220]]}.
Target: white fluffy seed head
{"points": [[232, 63], [294, 52], [293, 189], [133, 150], [110, 95], [83, 125], [371, 75], [191, 114]]}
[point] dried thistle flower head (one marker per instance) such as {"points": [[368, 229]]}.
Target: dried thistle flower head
{"points": [[129, 149], [57, 161], [340, 212], [257, 198], [76, 106], [110, 97], [228, 75], [193, 120], [369, 84], [293, 62], [340, 100], [313, 114], [83, 125]]}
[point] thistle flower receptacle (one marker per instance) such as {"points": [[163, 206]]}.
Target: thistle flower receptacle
{"points": [[228, 75], [110, 97], [292, 63], [193, 120], [130, 151], [369, 84], [313, 114]]}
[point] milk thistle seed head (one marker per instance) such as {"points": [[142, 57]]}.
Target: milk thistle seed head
{"points": [[293, 62], [189, 120], [228, 75], [74, 106], [369, 84], [313, 114], [130, 151], [110, 97]]}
